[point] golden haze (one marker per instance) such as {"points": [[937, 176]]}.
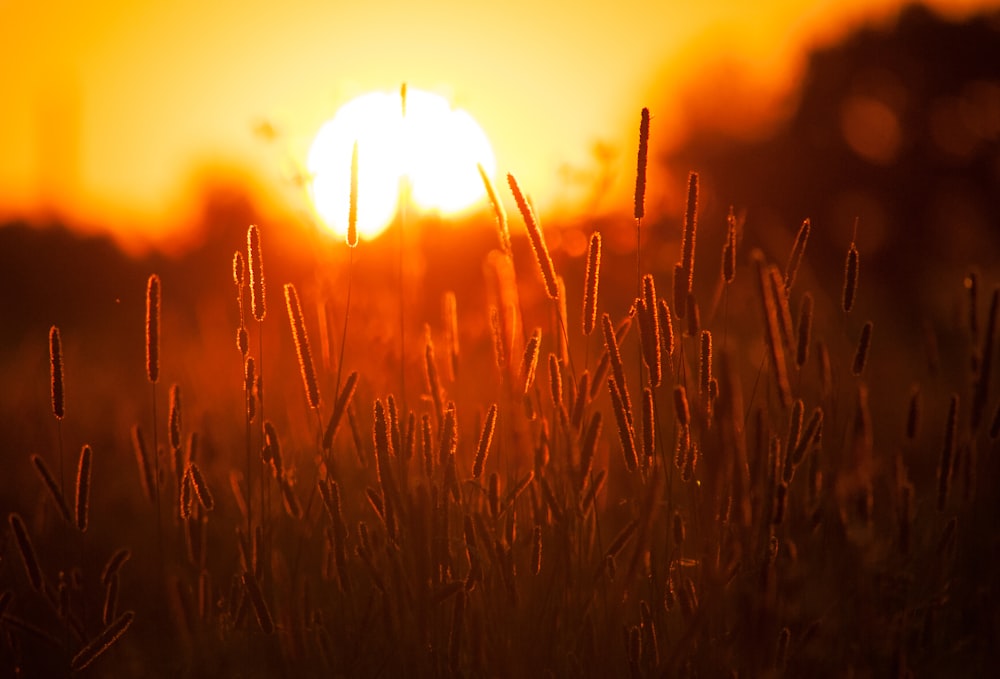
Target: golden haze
{"points": [[113, 110]]}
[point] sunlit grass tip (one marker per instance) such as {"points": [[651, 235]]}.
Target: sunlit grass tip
{"points": [[690, 231], [153, 329], [56, 373], [83, 489], [640, 170], [592, 283], [301, 338], [499, 214], [542, 256], [258, 303]]}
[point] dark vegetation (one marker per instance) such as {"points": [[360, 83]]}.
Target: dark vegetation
{"points": [[758, 539]]}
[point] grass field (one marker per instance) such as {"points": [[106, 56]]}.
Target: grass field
{"points": [[334, 464]]}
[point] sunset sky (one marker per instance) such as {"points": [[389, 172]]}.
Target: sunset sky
{"points": [[113, 110]]}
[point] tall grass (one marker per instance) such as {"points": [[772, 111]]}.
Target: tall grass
{"points": [[762, 514]]}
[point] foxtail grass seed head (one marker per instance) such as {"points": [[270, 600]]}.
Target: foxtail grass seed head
{"points": [[431, 373], [804, 332], [99, 645], [174, 421], [592, 283], [352, 207], [250, 387], [448, 444], [780, 295], [83, 489], [536, 550], [772, 331], [56, 373], [649, 339], [530, 360], [302, 346], [806, 440], [640, 169], [794, 429], [381, 434], [948, 452], [649, 331], [729, 249], [395, 436], [850, 279], [615, 361], [545, 266], [648, 426], [666, 328], [27, 551], [344, 399], [555, 381], [690, 232], [114, 564], [503, 231], [795, 258], [649, 292], [53, 487], [243, 341], [153, 329], [625, 432], [200, 487], [186, 498], [239, 272], [861, 355], [485, 441], [604, 363], [496, 328], [258, 305], [705, 364]]}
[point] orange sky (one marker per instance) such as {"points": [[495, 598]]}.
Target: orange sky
{"points": [[111, 107]]}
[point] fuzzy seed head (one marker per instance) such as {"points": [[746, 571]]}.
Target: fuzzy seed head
{"points": [[592, 283], [641, 161], [257, 292], [153, 329], [56, 373], [301, 339]]}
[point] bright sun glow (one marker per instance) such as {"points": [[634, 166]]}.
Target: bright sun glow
{"points": [[433, 147]]}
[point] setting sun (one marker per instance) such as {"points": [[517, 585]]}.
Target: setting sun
{"points": [[426, 144]]}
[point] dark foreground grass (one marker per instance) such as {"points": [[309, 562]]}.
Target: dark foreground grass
{"points": [[726, 481]]}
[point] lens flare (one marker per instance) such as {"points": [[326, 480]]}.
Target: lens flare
{"points": [[432, 148]]}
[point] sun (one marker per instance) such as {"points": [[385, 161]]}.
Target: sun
{"points": [[430, 148]]}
